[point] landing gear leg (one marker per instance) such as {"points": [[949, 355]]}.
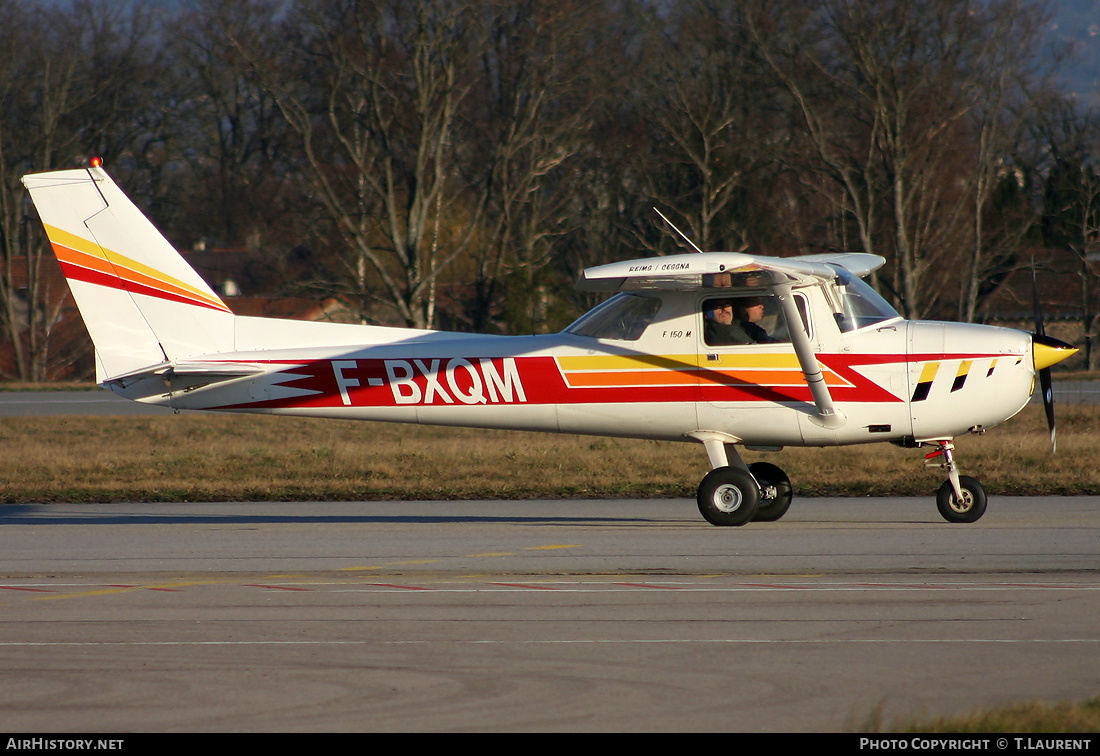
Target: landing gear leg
{"points": [[960, 498]]}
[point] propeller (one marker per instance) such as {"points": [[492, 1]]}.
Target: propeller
{"points": [[1046, 351]]}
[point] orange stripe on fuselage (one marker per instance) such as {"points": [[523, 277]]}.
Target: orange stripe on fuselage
{"points": [[766, 378]]}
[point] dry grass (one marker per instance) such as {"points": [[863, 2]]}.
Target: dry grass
{"points": [[1028, 717], [231, 457], [50, 386], [218, 457]]}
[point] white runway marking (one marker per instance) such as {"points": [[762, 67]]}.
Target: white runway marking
{"points": [[574, 641]]}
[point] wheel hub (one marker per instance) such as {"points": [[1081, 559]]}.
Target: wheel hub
{"points": [[727, 498], [963, 505]]}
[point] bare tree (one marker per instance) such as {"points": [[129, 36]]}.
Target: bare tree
{"points": [[372, 91], [1071, 213], [72, 86], [239, 150], [525, 120], [713, 121], [1002, 75], [894, 98], [836, 156]]}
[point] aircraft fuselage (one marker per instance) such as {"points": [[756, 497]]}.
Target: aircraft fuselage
{"points": [[893, 380]]}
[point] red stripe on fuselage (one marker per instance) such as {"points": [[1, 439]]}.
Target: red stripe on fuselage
{"points": [[454, 381]]}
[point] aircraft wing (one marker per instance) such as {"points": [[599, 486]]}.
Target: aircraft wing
{"points": [[693, 271]]}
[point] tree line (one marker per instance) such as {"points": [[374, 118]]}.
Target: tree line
{"points": [[457, 163]]}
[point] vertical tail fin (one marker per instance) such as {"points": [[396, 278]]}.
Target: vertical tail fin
{"points": [[142, 303]]}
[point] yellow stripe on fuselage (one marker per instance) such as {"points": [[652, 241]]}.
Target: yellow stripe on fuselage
{"points": [[768, 369], [766, 361]]}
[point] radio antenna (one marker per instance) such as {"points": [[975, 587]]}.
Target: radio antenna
{"points": [[681, 233]]}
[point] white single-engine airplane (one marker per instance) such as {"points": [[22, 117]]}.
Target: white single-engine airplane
{"points": [[721, 348]]}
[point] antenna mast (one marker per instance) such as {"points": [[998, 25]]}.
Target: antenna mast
{"points": [[681, 233]]}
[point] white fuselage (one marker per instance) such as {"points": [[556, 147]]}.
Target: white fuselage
{"points": [[892, 380]]}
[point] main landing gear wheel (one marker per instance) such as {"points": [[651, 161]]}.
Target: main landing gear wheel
{"points": [[776, 491], [969, 508], [728, 496]]}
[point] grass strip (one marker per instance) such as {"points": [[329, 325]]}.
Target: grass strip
{"points": [[208, 457]]}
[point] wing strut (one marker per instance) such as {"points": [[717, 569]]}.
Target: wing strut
{"points": [[828, 416]]}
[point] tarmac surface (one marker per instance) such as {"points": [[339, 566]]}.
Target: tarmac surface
{"points": [[847, 615], [53, 403], [631, 615]]}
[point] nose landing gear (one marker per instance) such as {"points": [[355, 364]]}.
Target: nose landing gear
{"points": [[960, 498]]}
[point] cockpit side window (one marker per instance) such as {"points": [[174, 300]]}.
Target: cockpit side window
{"points": [[624, 317], [750, 318]]}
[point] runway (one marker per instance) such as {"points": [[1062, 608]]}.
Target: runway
{"points": [[56, 403], [539, 615]]}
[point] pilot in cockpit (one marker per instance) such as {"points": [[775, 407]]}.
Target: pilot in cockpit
{"points": [[734, 320]]}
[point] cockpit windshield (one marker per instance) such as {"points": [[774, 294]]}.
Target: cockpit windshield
{"points": [[624, 316], [859, 304]]}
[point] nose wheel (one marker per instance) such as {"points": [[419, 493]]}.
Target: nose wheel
{"points": [[968, 507]]}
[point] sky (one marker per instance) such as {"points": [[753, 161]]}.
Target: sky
{"points": [[1078, 22]]}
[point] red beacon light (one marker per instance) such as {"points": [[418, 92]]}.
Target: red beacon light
{"points": [[97, 162]]}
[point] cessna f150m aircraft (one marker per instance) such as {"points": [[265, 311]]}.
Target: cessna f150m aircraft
{"points": [[720, 348]]}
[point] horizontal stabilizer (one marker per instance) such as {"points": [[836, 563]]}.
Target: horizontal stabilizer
{"points": [[166, 377], [211, 369]]}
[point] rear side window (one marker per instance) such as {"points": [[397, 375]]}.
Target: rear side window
{"points": [[623, 317]]}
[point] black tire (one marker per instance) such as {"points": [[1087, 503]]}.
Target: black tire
{"points": [[972, 506], [771, 480], [728, 496]]}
